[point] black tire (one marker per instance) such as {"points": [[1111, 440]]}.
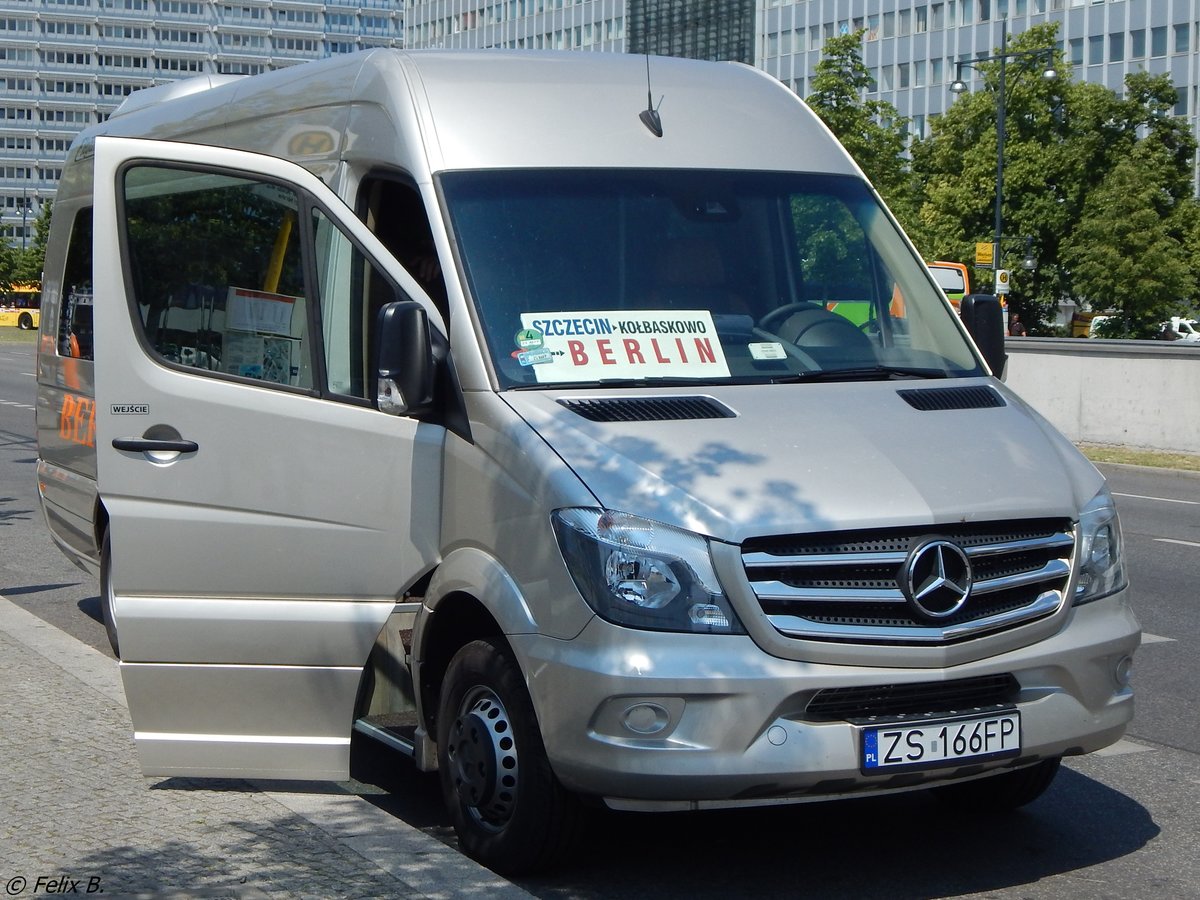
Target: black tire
{"points": [[509, 810], [106, 596], [1001, 793], [25, 322]]}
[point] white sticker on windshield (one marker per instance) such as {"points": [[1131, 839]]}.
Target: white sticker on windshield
{"points": [[590, 346], [767, 350]]}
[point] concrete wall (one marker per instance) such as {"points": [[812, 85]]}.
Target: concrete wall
{"points": [[1137, 393]]}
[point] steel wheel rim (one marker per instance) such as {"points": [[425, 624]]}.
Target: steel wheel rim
{"points": [[482, 753]]}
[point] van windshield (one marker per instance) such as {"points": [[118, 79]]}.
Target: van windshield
{"points": [[584, 277]]}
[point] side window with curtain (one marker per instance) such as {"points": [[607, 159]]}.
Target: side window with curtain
{"points": [[75, 311], [217, 273]]}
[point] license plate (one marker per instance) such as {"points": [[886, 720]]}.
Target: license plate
{"points": [[943, 742]]}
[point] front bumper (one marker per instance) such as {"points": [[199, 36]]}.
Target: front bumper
{"points": [[653, 720]]}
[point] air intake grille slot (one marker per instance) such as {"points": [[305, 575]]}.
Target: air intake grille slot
{"points": [[851, 587], [930, 399], [648, 409], [841, 704]]}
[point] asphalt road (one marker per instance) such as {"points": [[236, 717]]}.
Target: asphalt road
{"points": [[1119, 824]]}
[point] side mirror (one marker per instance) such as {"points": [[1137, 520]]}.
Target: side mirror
{"points": [[403, 359], [984, 318]]}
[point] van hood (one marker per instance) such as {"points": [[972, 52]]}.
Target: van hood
{"points": [[789, 459]]}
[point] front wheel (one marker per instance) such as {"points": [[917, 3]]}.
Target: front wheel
{"points": [[1001, 793], [509, 810]]}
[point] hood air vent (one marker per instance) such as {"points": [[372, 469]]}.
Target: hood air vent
{"points": [[648, 409], [928, 399]]}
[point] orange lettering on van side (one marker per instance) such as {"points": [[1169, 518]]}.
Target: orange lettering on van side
{"points": [[77, 420]]}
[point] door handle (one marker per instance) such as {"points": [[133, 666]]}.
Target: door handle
{"points": [[146, 445]]}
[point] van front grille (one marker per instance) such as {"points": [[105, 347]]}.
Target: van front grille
{"points": [[859, 586]]}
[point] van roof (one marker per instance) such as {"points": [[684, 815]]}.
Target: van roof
{"points": [[506, 109]]}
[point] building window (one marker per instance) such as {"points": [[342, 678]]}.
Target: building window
{"points": [[935, 71], [1095, 49], [1137, 43], [1181, 41], [1181, 104], [889, 24], [985, 10], [939, 15], [922, 19], [904, 75], [905, 22], [1116, 47], [1158, 41], [1076, 51]]}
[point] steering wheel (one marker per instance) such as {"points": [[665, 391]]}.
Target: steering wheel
{"points": [[771, 319]]}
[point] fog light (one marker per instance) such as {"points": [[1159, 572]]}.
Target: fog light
{"points": [[1124, 672], [646, 718]]}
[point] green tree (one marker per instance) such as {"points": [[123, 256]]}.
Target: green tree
{"points": [[1128, 253], [32, 259], [957, 167], [10, 259], [1063, 140], [872, 131]]}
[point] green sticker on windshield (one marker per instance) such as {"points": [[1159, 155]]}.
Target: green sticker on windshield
{"points": [[530, 339]]}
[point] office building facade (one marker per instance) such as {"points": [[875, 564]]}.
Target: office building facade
{"points": [[910, 46], [67, 64]]}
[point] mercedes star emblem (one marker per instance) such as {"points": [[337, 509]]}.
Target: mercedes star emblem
{"points": [[937, 579]]}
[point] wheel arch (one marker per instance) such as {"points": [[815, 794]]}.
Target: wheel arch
{"points": [[459, 618]]}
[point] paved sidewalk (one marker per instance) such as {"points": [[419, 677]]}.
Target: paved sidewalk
{"points": [[75, 807]]}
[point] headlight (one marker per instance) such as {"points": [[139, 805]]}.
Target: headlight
{"points": [[1101, 557], [643, 574]]}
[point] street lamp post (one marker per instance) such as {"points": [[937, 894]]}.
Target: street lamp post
{"points": [[958, 86]]}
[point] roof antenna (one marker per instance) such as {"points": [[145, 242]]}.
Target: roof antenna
{"points": [[649, 116]]}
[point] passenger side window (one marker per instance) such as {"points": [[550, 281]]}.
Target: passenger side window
{"points": [[75, 310], [352, 293], [217, 273]]}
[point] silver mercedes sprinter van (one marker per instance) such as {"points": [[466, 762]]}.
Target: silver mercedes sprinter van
{"points": [[587, 449]]}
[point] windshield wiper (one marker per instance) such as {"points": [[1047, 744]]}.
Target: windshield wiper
{"points": [[861, 373]]}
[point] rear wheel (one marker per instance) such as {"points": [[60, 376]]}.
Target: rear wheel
{"points": [[25, 322], [106, 595], [509, 810], [1000, 793]]}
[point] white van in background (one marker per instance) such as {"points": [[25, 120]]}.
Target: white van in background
{"points": [[469, 402]]}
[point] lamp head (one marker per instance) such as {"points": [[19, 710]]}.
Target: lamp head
{"points": [[958, 86]]}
